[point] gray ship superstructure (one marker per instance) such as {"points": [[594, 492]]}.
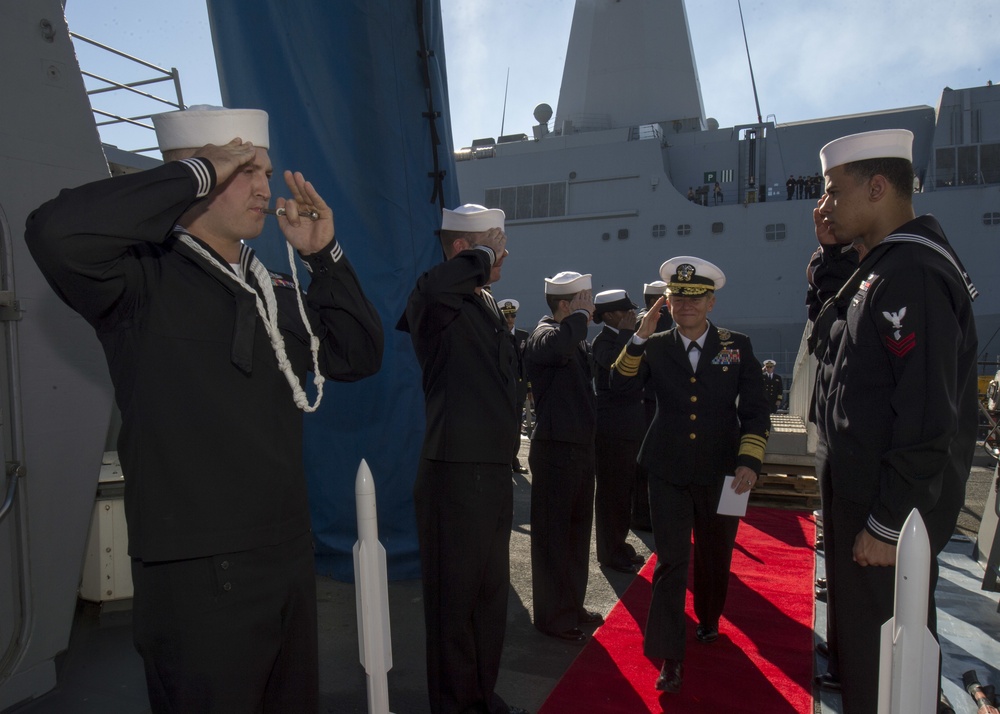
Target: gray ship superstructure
{"points": [[604, 187]]}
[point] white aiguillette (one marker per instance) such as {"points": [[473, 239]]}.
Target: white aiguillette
{"points": [[732, 503]]}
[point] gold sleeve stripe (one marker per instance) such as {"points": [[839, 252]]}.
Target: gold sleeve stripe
{"points": [[753, 446], [627, 365]]}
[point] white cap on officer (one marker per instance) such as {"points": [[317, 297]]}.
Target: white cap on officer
{"points": [[471, 218], [203, 124], [881, 144], [657, 288], [769, 363], [687, 275], [508, 306], [567, 283]]}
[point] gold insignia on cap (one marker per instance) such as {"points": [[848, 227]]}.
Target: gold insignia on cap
{"points": [[685, 272]]}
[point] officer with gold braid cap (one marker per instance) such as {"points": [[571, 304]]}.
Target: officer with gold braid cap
{"points": [[711, 421]]}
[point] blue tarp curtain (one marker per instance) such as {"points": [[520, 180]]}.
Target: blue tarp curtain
{"points": [[358, 102]]}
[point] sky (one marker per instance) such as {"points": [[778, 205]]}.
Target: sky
{"points": [[810, 60]]}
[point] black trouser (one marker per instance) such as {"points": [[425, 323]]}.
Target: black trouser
{"points": [[862, 598], [464, 514], [615, 459], [562, 511], [677, 510], [230, 633]]}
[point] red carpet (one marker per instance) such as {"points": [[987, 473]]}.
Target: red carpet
{"points": [[762, 661]]}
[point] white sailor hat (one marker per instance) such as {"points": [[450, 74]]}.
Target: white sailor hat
{"points": [[769, 363], [567, 283], [471, 218], [508, 305], [657, 287], [881, 144], [203, 124], [687, 275], [610, 301]]}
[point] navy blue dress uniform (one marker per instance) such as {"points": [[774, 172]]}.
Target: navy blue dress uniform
{"points": [[463, 492], [508, 308], [651, 292], [216, 501], [561, 460], [895, 400], [621, 424], [774, 388], [709, 421]]}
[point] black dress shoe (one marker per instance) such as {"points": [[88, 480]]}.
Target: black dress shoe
{"points": [[821, 582], [589, 617], [574, 635], [671, 676], [707, 633], [823, 649], [630, 568], [827, 682], [821, 594]]}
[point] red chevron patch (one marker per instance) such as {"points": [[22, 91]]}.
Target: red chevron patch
{"points": [[902, 346]]}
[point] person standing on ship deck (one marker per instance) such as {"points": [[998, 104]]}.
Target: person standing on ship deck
{"points": [[561, 459], [895, 400], [207, 351], [463, 493]]}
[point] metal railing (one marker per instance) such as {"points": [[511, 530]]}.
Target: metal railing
{"points": [[110, 85]]}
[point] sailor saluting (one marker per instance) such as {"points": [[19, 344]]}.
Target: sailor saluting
{"points": [[207, 351]]}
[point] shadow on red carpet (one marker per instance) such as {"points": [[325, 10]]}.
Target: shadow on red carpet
{"points": [[762, 661]]}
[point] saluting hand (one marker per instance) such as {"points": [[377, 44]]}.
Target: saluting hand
{"points": [[305, 235], [496, 240], [648, 325], [824, 233], [228, 158], [583, 300]]}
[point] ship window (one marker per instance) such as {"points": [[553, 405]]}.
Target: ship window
{"points": [[557, 199], [684, 229], [774, 231], [718, 227], [991, 219], [726, 175], [968, 165], [622, 233], [508, 201], [989, 162], [944, 160], [605, 236], [523, 202], [659, 230], [539, 200], [492, 198]]}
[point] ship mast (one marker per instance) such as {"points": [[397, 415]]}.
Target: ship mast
{"points": [[746, 44]]}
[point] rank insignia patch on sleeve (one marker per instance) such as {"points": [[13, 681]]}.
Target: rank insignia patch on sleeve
{"points": [[898, 344]]}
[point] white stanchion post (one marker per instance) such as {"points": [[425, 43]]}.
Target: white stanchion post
{"points": [[371, 594], [908, 663]]}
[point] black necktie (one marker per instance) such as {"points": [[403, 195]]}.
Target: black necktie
{"points": [[694, 351]]}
